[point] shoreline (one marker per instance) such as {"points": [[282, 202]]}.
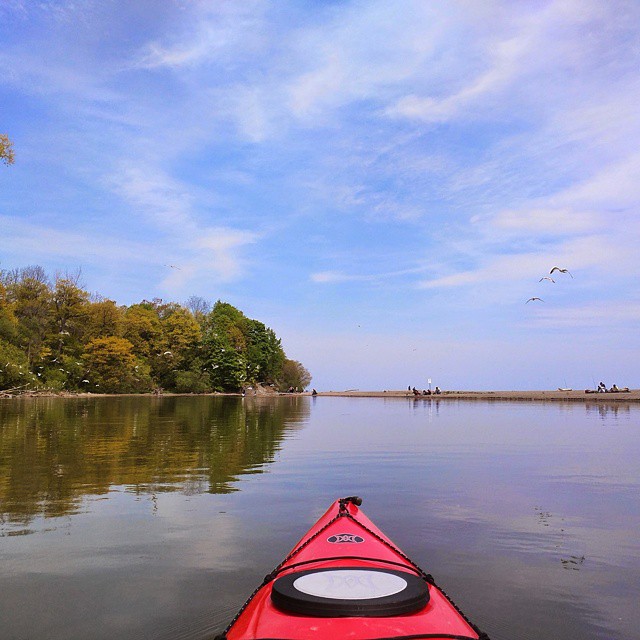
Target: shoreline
{"points": [[513, 396], [526, 396]]}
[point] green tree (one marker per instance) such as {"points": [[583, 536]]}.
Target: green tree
{"points": [[295, 375], [239, 350], [265, 356], [6, 149], [69, 310], [8, 322], [226, 367], [14, 367], [29, 293], [230, 324], [192, 381], [224, 346]]}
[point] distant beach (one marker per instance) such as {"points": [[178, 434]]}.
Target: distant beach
{"points": [[573, 395], [577, 395]]}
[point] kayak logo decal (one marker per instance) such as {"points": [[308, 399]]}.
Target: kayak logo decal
{"points": [[350, 538]]}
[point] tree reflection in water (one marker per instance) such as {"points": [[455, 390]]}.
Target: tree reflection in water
{"points": [[54, 451]]}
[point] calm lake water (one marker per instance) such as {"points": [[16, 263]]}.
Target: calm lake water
{"points": [[137, 518]]}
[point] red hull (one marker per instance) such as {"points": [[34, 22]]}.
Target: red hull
{"points": [[345, 537]]}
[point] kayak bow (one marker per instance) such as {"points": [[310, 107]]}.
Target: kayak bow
{"points": [[346, 579]]}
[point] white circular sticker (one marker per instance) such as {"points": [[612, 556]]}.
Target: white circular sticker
{"points": [[350, 584]]}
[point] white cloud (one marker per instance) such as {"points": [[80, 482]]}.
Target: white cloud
{"points": [[220, 250], [506, 63], [493, 269], [361, 53], [198, 247], [523, 60], [40, 242], [156, 195], [595, 314], [210, 31], [26, 71], [312, 87], [597, 257], [591, 226], [251, 115], [545, 222], [613, 186], [323, 277]]}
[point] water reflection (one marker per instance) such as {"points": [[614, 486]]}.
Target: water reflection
{"points": [[54, 451], [609, 410], [527, 513]]}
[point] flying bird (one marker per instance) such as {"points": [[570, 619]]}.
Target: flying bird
{"points": [[173, 266], [560, 270], [546, 278], [531, 299]]}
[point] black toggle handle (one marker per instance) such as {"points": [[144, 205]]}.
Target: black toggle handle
{"points": [[352, 499]]}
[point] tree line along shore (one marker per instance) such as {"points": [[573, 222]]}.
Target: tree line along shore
{"points": [[57, 337]]}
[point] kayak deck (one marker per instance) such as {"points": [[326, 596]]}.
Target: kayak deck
{"points": [[346, 579]]}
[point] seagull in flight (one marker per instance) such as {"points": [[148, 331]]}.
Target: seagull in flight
{"points": [[560, 270], [173, 266], [546, 278], [532, 299]]}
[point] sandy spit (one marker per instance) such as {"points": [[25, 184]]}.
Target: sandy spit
{"points": [[578, 395]]}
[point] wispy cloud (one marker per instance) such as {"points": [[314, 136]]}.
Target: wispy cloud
{"points": [[334, 276], [546, 222], [513, 57], [156, 195], [168, 206], [210, 32], [596, 314], [493, 271], [42, 242], [506, 60]]}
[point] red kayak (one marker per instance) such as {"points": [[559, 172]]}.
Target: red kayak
{"points": [[346, 579]]}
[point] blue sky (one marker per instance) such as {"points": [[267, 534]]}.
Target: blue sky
{"points": [[383, 184]]}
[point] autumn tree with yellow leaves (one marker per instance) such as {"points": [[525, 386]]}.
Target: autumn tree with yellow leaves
{"points": [[7, 155], [54, 335]]}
